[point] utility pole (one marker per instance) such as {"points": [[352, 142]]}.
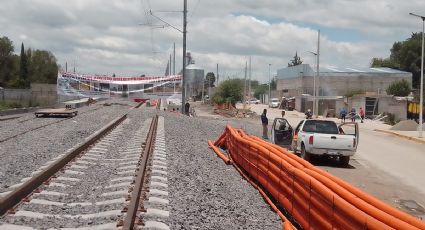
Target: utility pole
{"points": [[174, 59], [318, 74], [217, 76], [184, 56], [244, 87], [421, 87], [66, 66], [249, 81], [270, 84]]}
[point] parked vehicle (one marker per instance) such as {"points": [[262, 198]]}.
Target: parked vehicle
{"points": [[274, 103], [282, 133], [253, 101], [325, 138]]}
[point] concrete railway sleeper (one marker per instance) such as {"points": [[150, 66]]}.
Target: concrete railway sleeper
{"points": [[88, 186]]}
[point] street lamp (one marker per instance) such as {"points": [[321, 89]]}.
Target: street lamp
{"points": [[421, 93], [314, 83], [269, 85]]}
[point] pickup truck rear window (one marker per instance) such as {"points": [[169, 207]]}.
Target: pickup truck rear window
{"points": [[327, 127]]}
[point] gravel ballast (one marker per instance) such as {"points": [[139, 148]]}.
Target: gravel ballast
{"points": [[204, 192], [24, 154]]}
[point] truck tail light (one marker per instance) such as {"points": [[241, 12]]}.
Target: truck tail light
{"points": [[354, 142], [310, 140]]}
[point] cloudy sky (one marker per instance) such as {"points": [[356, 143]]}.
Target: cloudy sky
{"points": [[120, 36]]}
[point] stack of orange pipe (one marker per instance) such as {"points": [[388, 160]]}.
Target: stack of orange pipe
{"points": [[313, 197]]}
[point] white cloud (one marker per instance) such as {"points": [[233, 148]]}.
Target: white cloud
{"points": [[105, 36]]}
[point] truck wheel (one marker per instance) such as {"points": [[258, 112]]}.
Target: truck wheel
{"points": [[344, 160], [304, 154]]}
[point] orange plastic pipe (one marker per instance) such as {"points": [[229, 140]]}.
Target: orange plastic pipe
{"points": [[219, 154]]}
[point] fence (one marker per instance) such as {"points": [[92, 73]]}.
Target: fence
{"points": [[314, 198]]}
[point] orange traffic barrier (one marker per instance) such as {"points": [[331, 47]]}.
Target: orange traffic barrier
{"points": [[313, 197]]}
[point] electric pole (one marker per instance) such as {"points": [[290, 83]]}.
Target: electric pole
{"points": [[184, 56], [318, 74], [174, 59], [217, 76]]}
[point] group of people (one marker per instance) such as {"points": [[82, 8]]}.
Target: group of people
{"points": [[353, 114]]}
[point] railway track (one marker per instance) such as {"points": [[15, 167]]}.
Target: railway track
{"points": [[42, 126], [96, 184]]}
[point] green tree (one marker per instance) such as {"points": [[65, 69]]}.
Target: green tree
{"points": [[399, 88], [23, 70], [261, 89], [296, 61], [406, 56], [229, 90], [6, 61], [209, 80], [43, 68]]}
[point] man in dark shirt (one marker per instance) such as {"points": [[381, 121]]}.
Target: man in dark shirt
{"points": [[265, 122]]}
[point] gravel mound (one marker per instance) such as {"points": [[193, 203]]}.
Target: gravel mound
{"points": [[407, 125], [204, 192]]}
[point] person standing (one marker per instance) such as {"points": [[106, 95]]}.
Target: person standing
{"points": [[265, 122], [361, 113], [186, 108], [283, 113], [353, 115], [343, 114]]}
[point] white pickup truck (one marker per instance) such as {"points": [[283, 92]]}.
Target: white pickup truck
{"points": [[325, 138]]}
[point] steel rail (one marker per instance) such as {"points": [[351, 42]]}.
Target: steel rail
{"points": [[133, 206], [15, 197]]}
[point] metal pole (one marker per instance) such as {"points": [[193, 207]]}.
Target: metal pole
{"points": [[421, 88], [217, 77], [203, 89], [318, 74], [314, 85], [249, 82], [421, 100], [244, 86], [184, 56], [174, 59], [268, 100]]}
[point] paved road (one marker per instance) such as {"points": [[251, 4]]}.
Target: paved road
{"points": [[401, 158]]}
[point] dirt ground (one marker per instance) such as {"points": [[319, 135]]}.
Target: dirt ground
{"points": [[361, 173]]}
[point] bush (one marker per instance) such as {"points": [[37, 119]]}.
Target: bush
{"points": [[229, 90], [390, 119], [9, 105], [399, 88]]}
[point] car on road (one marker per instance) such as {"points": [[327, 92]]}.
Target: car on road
{"points": [[315, 137], [253, 101], [274, 103]]}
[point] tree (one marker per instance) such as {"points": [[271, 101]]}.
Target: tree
{"points": [[6, 61], [399, 88], [229, 90], [43, 68], [209, 80], [261, 89], [406, 56], [24, 82], [296, 61]]}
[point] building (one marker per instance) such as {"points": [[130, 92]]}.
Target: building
{"points": [[334, 85], [298, 80]]}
